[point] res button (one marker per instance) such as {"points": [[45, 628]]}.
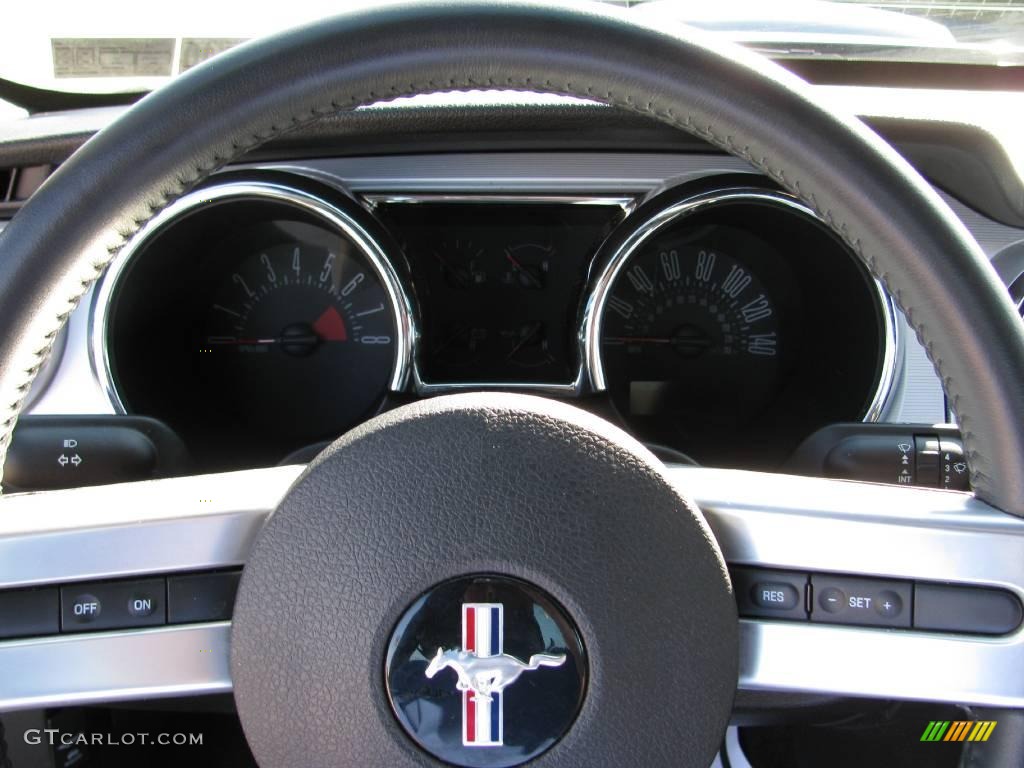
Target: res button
{"points": [[774, 594], [769, 594]]}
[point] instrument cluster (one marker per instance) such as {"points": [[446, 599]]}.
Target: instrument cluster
{"points": [[267, 313]]}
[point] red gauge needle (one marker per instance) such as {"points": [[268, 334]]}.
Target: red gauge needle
{"points": [[214, 341], [639, 339], [328, 327], [523, 270]]}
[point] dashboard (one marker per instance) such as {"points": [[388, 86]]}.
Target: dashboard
{"points": [[270, 311], [673, 291], [677, 293]]}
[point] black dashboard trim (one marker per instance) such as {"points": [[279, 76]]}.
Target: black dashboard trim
{"points": [[965, 160], [903, 74]]}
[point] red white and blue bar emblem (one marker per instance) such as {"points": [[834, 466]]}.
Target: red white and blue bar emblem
{"points": [[483, 630], [484, 671]]}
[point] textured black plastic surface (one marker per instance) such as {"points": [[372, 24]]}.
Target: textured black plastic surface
{"points": [[201, 597], [966, 609], [49, 452], [28, 612], [503, 484]]}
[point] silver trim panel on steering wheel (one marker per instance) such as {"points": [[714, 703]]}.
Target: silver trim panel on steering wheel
{"points": [[775, 521]]}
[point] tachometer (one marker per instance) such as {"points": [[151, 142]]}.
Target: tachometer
{"points": [[303, 321], [256, 317]]}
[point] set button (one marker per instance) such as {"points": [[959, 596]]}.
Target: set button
{"points": [[868, 602]]}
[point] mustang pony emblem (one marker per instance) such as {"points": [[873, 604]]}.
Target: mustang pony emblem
{"points": [[484, 671], [487, 675]]}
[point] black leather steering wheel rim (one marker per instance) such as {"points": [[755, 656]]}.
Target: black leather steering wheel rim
{"points": [[75, 225], [65, 236]]}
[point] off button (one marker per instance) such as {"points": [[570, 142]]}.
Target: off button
{"points": [[85, 609]]}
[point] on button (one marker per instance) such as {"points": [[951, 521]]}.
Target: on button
{"points": [[141, 606]]}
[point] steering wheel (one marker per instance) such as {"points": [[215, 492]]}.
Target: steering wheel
{"points": [[521, 496]]}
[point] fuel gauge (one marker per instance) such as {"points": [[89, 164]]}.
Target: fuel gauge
{"points": [[527, 266]]}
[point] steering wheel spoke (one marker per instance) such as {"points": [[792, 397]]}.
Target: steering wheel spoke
{"points": [[129, 530], [808, 525], [813, 525], [111, 531]]}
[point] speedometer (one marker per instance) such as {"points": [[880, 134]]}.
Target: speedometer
{"points": [[688, 326], [730, 323]]}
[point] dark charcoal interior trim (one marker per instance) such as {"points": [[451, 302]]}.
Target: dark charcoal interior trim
{"points": [[909, 74], [966, 161]]}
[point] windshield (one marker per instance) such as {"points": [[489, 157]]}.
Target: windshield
{"points": [[125, 45]]}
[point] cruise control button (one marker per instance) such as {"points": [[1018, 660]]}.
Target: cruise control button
{"points": [[832, 600], [141, 605], [773, 594], [769, 594], [869, 602], [113, 605], [85, 609], [888, 604]]}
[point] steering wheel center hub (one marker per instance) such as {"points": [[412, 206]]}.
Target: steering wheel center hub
{"points": [[449, 525], [506, 670]]}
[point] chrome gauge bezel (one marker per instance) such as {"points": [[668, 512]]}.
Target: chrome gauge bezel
{"points": [[640, 233], [239, 191], [424, 387]]}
